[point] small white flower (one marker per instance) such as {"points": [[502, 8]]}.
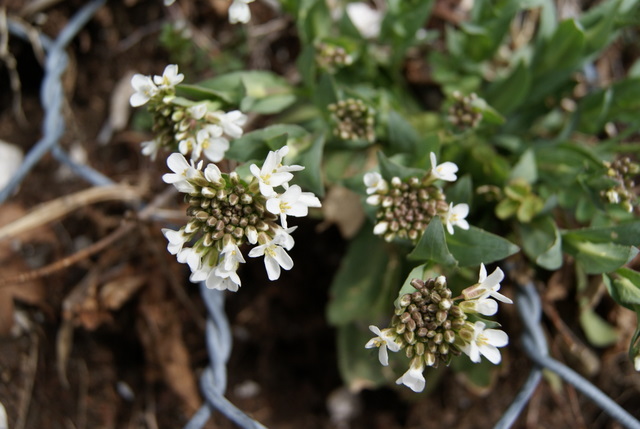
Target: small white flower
{"points": [[198, 111], [268, 176], [485, 342], [293, 202], [182, 171], [144, 88], [222, 283], [374, 200], [487, 286], [613, 196], [231, 122], [176, 239], [445, 171], [456, 216], [374, 183], [190, 257], [636, 363], [151, 148], [170, 77], [381, 228], [212, 143], [486, 306], [413, 378], [284, 238], [232, 258], [385, 340], [366, 19], [279, 157], [212, 174], [239, 11], [275, 256]]}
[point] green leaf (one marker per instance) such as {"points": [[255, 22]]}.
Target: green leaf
{"points": [[542, 242], [311, 177], [597, 330], [359, 290], [627, 234], [359, 367], [326, 92], [563, 51], [625, 287], [402, 136], [461, 191], [507, 94], [433, 245], [198, 93], [390, 169], [526, 168], [254, 145], [597, 258], [474, 246]]}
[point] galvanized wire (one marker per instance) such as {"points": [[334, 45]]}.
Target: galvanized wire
{"points": [[535, 345], [51, 93], [213, 381]]}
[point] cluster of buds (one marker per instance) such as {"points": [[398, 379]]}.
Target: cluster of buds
{"points": [[622, 171], [463, 113], [332, 57], [180, 125], [228, 212], [430, 326], [405, 207], [353, 120]]}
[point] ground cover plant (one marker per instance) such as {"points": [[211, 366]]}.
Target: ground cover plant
{"points": [[370, 185]]}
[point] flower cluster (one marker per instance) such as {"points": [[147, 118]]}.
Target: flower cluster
{"points": [[431, 326], [622, 171], [192, 129], [239, 11], [463, 113], [332, 57], [228, 212], [405, 207], [353, 120]]}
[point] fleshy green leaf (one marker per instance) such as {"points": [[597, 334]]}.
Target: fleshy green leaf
{"points": [[475, 246], [526, 168], [255, 145], [507, 94], [433, 245], [359, 290], [418, 272], [311, 177], [542, 242], [597, 258], [625, 287], [402, 136], [390, 169], [597, 330], [627, 234]]}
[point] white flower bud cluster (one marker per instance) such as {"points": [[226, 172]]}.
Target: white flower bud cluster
{"points": [[332, 57], [407, 206], [622, 171], [431, 326], [187, 127], [353, 120], [228, 212]]}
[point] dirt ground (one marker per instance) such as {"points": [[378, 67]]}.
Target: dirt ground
{"points": [[116, 340]]}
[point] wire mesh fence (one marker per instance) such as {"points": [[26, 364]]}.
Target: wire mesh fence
{"points": [[213, 381]]}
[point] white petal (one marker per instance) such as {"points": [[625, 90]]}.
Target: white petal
{"points": [[283, 258], [383, 356], [177, 163], [413, 379], [273, 268], [483, 273], [212, 174], [491, 353], [496, 337], [487, 307]]}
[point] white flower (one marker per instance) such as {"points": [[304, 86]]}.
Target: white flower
{"points": [[279, 157], [292, 202], [150, 148], [268, 176], [176, 239], [485, 342], [170, 77], [182, 171], [239, 11], [385, 340], [198, 111], [486, 306], [636, 362], [232, 259], [445, 171], [381, 228], [413, 378], [222, 283], [275, 256], [212, 143], [374, 183], [366, 19], [456, 216], [231, 122], [144, 88], [487, 286], [191, 257], [189, 145], [212, 174]]}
